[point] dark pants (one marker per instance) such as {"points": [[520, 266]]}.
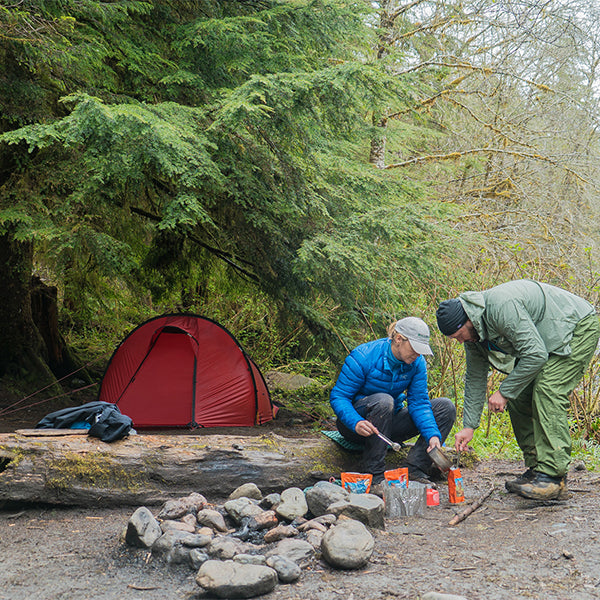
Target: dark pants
{"points": [[399, 427]]}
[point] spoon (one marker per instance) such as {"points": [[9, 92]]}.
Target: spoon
{"points": [[395, 446]]}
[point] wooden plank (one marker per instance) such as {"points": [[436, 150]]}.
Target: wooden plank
{"points": [[51, 432]]}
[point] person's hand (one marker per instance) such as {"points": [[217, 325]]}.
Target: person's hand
{"points": [[497, 402], [462, 439], [434, 442], [365, 428]]}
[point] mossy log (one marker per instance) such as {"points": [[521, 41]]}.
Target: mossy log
{"points": [[65, 468]]}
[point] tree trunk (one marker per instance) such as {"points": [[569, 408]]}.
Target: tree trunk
{"points": [[22, 350], [71, 469], [378, 143], [44, 308]]}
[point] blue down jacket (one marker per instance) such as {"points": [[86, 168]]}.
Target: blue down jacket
{"points": [[371, 368]]}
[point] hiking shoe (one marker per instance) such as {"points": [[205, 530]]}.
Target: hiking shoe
{"points": [[526, 477], [542, 487]]}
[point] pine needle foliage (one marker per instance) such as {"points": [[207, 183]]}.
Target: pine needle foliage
{"points": [[168, 139]]}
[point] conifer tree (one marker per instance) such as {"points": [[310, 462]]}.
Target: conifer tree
{"points": [[153, 135]]}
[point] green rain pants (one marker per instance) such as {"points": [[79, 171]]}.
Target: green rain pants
{"points": [[540, 414]]}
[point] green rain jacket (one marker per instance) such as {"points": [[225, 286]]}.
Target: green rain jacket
{"points": [[520, 323]]}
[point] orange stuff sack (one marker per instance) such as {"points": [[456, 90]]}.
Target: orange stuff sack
{"points": [[357, 483], [456, 493], [397, 477]]}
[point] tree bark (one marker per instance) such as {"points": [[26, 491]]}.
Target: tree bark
{"points": [[378, 143], [22, 350], [44, 308], [32, 349], [149, 469]]}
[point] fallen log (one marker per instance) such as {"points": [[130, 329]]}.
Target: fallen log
{"points": [[456, 519], [74, 469]]}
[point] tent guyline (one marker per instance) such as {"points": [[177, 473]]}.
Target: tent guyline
{"points": [[71, 392], [12, 407]]}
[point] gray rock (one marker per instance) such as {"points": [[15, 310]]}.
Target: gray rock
{"points": [[287, 570], [175, 509], [348, 545], [322, 494], [196, 540], [225, 547], [293, 504], [142, 529], [321, 523], [288, 381], [265, 520], [280, 532], [198, 558], [247, 490], [164, 544], [250, 559], [179, 555], [206, 531], [235, 580], [366, 508], [240, 508], [270, 501], [179, 525], [314, 537], [211, 518], [171, 538], [298, 551]]}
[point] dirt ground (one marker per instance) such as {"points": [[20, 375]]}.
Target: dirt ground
{"points": [[509, 548]]}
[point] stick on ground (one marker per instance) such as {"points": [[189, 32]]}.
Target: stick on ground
{"points": [[470, 509]]}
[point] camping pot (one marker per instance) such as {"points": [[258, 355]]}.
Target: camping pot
{"points": [[440, 459]]}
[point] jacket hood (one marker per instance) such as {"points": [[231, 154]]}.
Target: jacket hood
{"points": [[474, 305]]}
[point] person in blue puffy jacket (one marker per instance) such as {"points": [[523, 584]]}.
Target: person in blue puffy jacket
{"points": [[382, 387]]}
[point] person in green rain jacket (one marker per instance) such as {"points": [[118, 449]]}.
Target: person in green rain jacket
{"points": [[543, 337]]}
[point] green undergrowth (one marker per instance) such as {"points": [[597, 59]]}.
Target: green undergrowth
{"points": [[494, 439], [310, 402]]}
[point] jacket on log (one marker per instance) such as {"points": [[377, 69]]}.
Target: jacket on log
{"points": [[103, 419]]}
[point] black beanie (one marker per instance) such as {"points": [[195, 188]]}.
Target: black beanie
{"points": [[451, 316]]}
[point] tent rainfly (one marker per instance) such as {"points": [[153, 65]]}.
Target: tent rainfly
{"points": [[185, 370]]}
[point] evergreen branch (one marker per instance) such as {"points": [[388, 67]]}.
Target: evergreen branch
{"points": [[224, 256]]}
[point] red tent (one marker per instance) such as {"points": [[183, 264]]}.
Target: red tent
{"points": [[185, 370]]}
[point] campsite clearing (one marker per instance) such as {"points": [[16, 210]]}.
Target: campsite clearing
{"points": [[509, 548]]}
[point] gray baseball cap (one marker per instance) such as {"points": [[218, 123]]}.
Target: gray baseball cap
{"points": [[417, 333]]}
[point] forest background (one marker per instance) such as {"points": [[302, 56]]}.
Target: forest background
{"points": [[303, 172]]}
